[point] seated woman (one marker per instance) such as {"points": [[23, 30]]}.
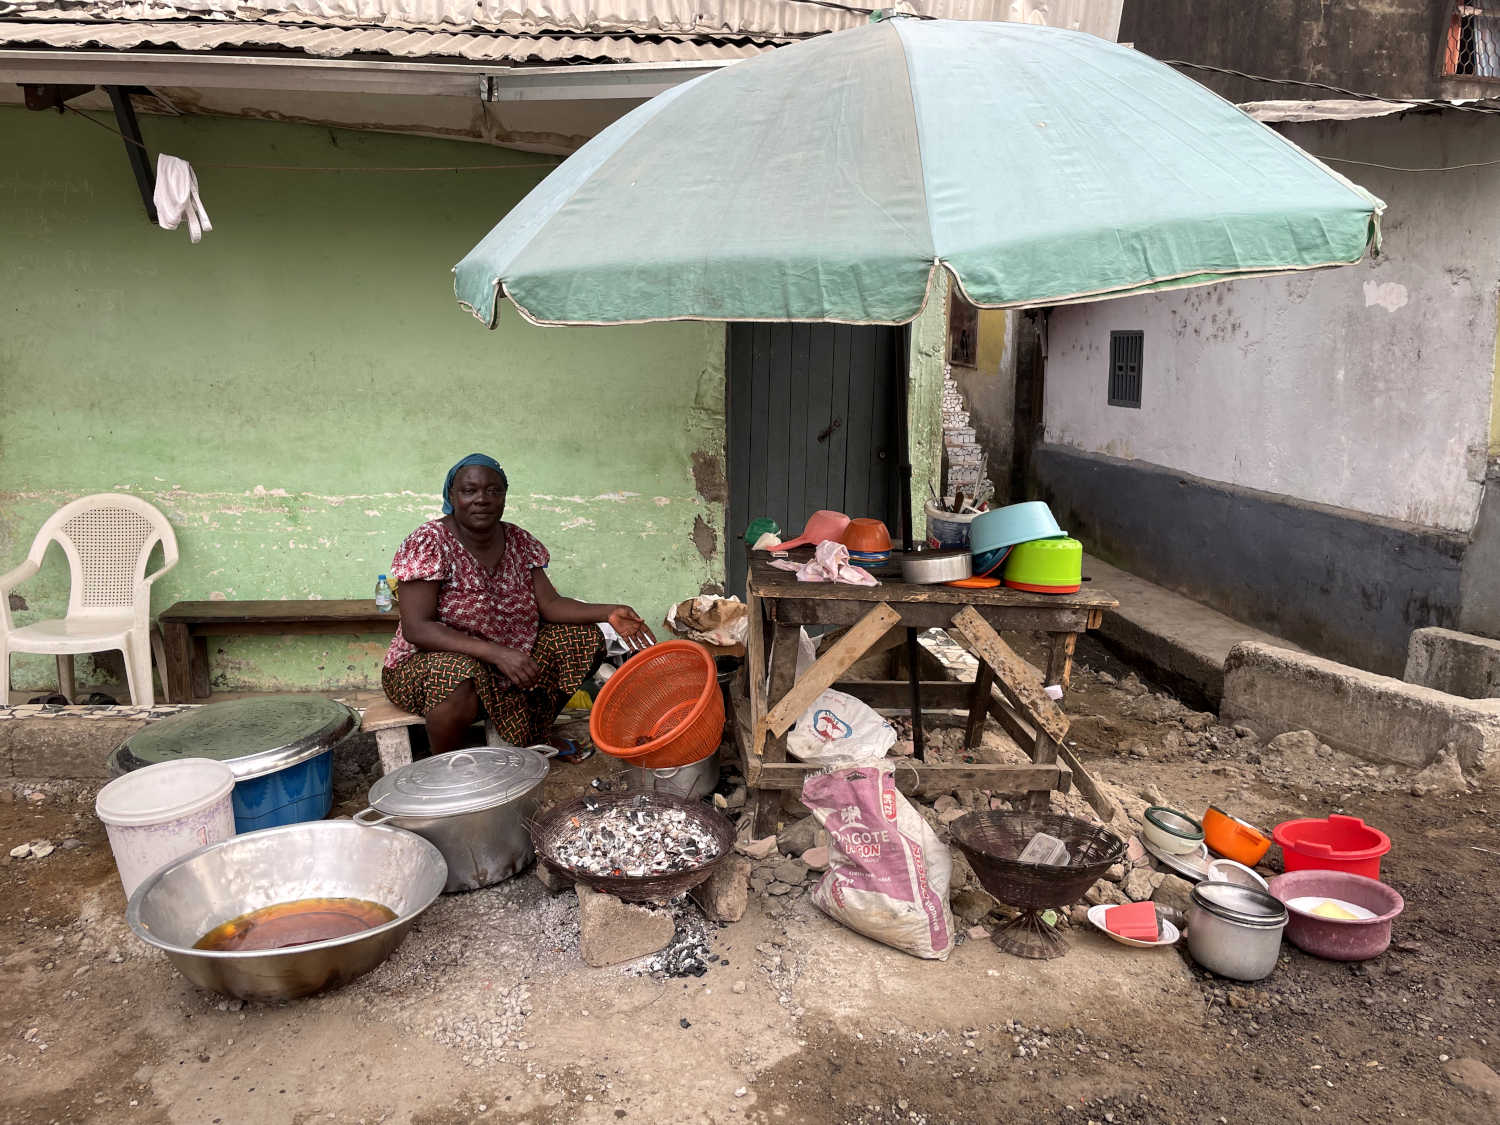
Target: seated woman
{"points": [[481, 623]]}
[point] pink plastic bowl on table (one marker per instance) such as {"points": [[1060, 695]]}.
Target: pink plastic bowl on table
{"points": [[1338, 939], [1339, 843]]}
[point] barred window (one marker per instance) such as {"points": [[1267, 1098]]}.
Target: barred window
{"points": [[1472, 48]]}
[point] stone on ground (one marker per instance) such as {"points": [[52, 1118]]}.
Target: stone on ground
{"points": [[797, 837], [791, 871], [1137, 885], [550, 877], [1174, 892], [1105, 893], [757, 849], [1473, 1078], [1445, 775], [725, 894], [611, 932], [816, 858], [972, 905]]}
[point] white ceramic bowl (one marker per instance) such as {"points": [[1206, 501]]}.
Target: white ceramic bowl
{"points": [[1169, 932], [1170, 842]]}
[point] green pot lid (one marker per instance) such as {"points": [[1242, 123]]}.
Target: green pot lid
{"points": [[253, 737]]}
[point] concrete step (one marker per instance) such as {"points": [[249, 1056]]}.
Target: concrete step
{"points": [[1183, 643]]}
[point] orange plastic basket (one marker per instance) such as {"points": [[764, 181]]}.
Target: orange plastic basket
{"points": [[662, 708]]}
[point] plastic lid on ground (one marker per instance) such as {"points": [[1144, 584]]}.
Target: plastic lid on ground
{"points": [[253, 737], [463, 781]]}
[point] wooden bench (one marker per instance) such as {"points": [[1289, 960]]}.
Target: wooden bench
{"points": [[392, 729], [187, 626]]}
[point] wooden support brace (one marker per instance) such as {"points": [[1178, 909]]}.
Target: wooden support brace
{"points": [[1014, 673], [1016, 727], [829, 667]]}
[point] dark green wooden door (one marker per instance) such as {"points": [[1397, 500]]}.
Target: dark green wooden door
{"points": [[811, 426]]}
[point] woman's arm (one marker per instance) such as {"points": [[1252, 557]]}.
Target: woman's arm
{"points": [[421, 627], [568, 611]]}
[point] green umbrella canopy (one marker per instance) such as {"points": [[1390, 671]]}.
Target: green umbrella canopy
{"points": [[830, 179]]}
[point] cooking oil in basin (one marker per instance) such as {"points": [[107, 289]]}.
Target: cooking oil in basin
{"points": [[299, 922]]}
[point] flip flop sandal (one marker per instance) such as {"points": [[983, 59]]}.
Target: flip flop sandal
{"points": [[56, 699], [570, 751]]}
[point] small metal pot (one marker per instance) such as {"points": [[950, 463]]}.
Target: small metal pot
{"points": [[1235, 931], [928, 568], [474, 805], [693, 781]]}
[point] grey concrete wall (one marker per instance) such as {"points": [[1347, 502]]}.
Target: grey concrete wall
{"points": [[1376, 718], [1390, 48], [1338, 583], [1366, 387], [1455, 663]]}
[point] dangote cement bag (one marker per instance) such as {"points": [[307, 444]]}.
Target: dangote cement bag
{"points": [[887, 871]]}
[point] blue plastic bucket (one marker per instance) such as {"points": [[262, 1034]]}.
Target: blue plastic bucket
{"points": [[289, 796]]}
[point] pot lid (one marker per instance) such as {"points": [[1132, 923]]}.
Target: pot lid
{"points": [[463, 781], [253, 737], [1250, 906]]}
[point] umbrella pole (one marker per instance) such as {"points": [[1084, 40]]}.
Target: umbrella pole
{"points": [[903, 447]]}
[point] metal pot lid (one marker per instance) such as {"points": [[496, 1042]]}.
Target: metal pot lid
{"points": [[1249, 906], [460, 782], [253, 737]]}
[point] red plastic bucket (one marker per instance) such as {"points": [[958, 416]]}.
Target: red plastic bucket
{"points": [[1339, 843]]}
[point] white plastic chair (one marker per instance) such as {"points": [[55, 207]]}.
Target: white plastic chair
{"points": [[108, 539]]}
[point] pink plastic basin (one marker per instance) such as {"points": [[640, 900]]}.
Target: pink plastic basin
{"points": [[1338, 939], [1339, 843]]}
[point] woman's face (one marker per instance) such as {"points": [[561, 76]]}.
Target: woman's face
{"points": [[478, 498]]}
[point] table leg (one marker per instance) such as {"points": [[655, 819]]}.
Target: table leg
{"points": [[766, 814], [201, 689], [66, 684], [979, 703], [783, 677], [1044, 754], [394, 746], [179, 663], [914, 677], [1060, 659]]}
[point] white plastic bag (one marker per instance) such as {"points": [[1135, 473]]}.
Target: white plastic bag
{"points": [[838, 728], [888, 873]]}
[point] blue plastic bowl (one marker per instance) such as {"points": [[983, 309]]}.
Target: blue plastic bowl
{"points": [[289, 796], [1015, 523], [989, 562]]}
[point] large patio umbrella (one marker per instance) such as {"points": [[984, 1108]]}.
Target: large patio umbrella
{"points": [[832, 179], [829, 180]]}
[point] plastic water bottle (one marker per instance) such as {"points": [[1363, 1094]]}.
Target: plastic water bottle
{"points": [[382, 595]]}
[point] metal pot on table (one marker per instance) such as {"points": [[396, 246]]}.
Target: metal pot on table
{"points": [[473, 805]]}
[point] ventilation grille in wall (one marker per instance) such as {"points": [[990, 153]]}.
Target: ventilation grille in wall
{"points": [[1125, 368], [1472, 48]]}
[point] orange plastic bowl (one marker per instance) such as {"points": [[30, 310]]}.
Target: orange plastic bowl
{"points": [[663, 708], [1233, 838], [866, 535]]}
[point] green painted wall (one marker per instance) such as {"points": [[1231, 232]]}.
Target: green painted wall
{"points": [[291, 390], [929, 352]]}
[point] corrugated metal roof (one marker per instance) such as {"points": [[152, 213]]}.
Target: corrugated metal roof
{"points": [[323, 42], [727, 18]]}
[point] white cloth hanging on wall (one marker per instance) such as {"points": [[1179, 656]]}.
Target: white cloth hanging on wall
{"points": [[176, 197]]}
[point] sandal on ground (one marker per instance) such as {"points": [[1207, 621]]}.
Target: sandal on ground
{"points": [[570, 751]]}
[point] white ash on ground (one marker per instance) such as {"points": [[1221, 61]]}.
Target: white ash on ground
{"points": [[690, 953]]}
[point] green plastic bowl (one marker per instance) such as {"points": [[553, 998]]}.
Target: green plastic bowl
{"points": [[1046, 566]]}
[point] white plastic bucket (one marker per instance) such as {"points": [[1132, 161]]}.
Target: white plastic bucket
{"points": [[163, 811], [947, 530]]}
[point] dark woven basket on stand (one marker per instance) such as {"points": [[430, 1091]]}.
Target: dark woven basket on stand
{"points": [[992, 841], [556, 823]]}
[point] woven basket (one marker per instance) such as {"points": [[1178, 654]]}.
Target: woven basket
{"points": [[554, 824]]}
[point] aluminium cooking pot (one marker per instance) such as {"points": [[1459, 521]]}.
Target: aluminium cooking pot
{"points": [[693, 781], [473, 805], [1235, 931]]}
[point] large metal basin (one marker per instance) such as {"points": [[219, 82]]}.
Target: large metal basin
{"points": [[182, 901]]}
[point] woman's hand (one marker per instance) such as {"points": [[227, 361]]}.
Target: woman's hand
{"points": [[631, 627], [516, 666]]}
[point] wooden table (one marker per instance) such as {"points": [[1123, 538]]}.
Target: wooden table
{"points": [[768, 703], [187, 625]]}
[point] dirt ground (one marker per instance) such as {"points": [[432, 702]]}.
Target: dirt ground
{"points": [[487, 1013]]}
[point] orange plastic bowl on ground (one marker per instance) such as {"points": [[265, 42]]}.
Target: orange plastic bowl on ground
{"points": [[662, 708], [866, 535], [1234, 839]]}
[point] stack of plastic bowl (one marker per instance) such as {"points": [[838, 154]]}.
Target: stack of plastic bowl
{"points": [[869, 543], [993, 534], [1046, 566]]}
